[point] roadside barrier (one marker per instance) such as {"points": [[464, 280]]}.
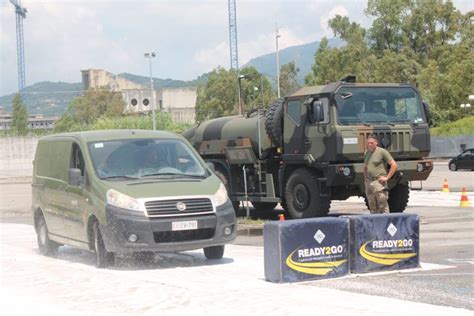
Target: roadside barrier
{"points": [[464, 200], [445, 186], [306, 249], [384, 242]]}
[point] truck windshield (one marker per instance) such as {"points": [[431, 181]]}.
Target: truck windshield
{"points": [[137, 158], [378, 105]]}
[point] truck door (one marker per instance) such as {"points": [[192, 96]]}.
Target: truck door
{"points": [[294, 123]]}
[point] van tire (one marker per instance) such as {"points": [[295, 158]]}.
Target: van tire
{"points": [[104, 259], [224, 177], [214, 252], [302, 195], [46, 246]]}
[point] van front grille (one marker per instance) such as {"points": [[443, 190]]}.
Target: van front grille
{"points": [[179, 207]]}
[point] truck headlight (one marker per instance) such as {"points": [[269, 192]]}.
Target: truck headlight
{"points": [[121, 200], [220, 197]]}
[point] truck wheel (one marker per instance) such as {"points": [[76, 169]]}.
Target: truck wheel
{"points": [[222, 175], [273, 125], [46, 246], [398, 198], [302, 194], [104, 258], [214, 252], [264, 206]]}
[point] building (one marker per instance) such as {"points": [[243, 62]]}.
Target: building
{"points": [[98, 78], [179, 102], [35, 121]]}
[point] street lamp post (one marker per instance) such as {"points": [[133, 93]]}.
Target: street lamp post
{"points": [[152, 95], [277, 35], [241, 106]]}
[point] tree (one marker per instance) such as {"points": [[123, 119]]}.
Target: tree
{"points": [[219, 96], [288, 77], [95, 104], [20, 116]]}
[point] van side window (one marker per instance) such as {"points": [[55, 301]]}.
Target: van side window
{"points": [[77, 160]]}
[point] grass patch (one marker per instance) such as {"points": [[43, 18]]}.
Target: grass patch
{"points": [[464, 126], [250, 221]]}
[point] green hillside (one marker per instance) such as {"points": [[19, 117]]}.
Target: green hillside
{"points": [[302, 55]]}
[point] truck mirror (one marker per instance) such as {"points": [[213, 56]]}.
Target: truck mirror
{"points": [[211, 166], [426, 108], [318, 114], [75, 177]]}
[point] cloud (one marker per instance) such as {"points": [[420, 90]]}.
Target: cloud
{"points": [[337, 10]]}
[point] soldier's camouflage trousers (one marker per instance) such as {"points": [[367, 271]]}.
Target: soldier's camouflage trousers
{"points": [[377, 196]]}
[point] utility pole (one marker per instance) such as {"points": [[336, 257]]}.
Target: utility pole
{"points": [[277, 35], [152, 95]]}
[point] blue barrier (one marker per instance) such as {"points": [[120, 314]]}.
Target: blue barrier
{"points": [[306, 249], [384, 242]]}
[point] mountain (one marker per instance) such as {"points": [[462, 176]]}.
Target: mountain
{"points": [[302, 55], [46, 97], [52, 98]]}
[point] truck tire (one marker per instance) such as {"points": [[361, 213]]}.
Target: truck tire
{"points": [[224, 177], [302, 195], [273, 125], [264, 206], [398, 198]]}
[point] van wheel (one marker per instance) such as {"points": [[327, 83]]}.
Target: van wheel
{"points": [[46, 246], [264, 206], [214, 252], [302, 195], [222, 175], [104, 258]]}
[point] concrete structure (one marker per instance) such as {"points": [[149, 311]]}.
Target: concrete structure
{"points": [[35, 121], [179, 102], [98, 78]]}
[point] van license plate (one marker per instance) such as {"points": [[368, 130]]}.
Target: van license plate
{"points": [[188, 225]]}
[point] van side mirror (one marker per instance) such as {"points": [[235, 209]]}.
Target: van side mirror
{"points": [[75, 177], [317, 111], [211, 166], [426, 108]]}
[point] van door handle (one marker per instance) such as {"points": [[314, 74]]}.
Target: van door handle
{"points": [[41, 186]]}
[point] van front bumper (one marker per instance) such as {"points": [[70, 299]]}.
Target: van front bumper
{"points": [[156, 234]]}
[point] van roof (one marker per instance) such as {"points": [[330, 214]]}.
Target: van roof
{"points": [[104, 135]]}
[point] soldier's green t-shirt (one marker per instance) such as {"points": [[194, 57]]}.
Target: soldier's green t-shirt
{"points": [[376, 162]]}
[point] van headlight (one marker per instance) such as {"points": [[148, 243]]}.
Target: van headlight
{"points": [[121, 200], [220, 197]]}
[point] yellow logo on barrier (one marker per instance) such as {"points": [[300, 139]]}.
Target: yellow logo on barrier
{"points": [[387, 259], [314, 267]]}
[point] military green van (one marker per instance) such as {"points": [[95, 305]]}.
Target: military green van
{"points": [[125, 191]]}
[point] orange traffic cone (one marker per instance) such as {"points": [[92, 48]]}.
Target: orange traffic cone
{"points": [[281, 217], [445, 186], [464, 199]]}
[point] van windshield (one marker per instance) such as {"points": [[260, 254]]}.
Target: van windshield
{"points": [[139, 158], [378, 105]]}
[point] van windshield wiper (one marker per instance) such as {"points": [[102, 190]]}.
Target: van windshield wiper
{"points": [[119, 177], [174, 174]]}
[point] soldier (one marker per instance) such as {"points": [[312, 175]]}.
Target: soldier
{"points": [[375, 173]]}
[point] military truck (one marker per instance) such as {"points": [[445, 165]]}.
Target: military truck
{"points": [[308, 148]]}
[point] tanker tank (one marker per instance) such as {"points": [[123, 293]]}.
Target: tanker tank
{"points": [[230, 129]]}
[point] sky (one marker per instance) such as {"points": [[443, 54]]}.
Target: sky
{"points": [[190, 38]]}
